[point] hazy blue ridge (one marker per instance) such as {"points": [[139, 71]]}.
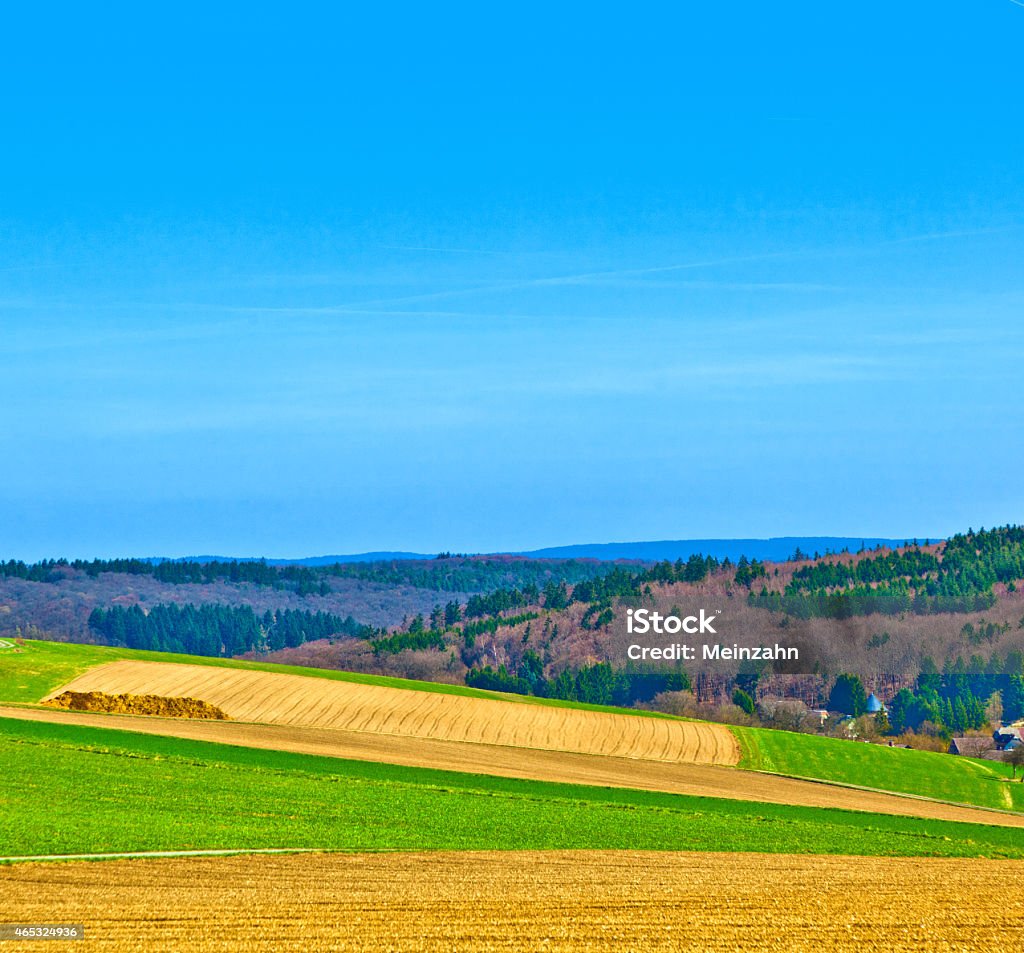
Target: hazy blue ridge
{"points": [[307, 561], [776, 549]]}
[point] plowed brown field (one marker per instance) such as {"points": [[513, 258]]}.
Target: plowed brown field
{"points": [[567, 767], [613, 902], [316, 702]]}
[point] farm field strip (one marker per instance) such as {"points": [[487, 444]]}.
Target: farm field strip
{"points": [[530, 763], [601, 901], [36, 668], [926, 773], [299, 701], [71, 789]]}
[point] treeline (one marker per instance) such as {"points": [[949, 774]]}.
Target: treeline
{"points": [[747, 572], [400, 641], [912, 711], [892, 599], [598, 684], [616, 583], [501, 600], [488, 612], [448, 574], [913, 581], [218, 630], [957, 700], [911, 563], [886, 583], [417, 636], [950, 702], [42, 571], [472, 574], [179, 572], [986, 557], [258, 573], [480, 626], [695, 569]]}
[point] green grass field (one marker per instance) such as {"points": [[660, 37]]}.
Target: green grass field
{"points": [[38, 668], [68, 789], [924, 773]]}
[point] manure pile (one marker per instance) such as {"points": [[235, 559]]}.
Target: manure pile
{"points": [[297, 700], [136, 705]]}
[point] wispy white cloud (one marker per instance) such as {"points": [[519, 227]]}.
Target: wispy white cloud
{"points": [[577, 278], [781, 286], [640, 276], [954, 233], [39, 338], [446, 250]]}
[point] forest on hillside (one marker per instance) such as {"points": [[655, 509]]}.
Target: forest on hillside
{"points": [[55, 598], [943, 622], [444, 573], [941, 654]]}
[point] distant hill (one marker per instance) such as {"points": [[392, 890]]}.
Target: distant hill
{"points": [[385, 556], [776, 549], [353, 558]]}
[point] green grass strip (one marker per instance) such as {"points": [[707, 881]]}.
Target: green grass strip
{"points": [[925, 773], [69, 789]]}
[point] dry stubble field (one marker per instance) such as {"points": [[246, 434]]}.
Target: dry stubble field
{"points": [[313, 702], [598, 901]]}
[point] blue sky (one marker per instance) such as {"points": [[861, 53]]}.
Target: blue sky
{"points": [[304, 281]]}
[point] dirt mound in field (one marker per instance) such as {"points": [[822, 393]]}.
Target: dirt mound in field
{"points": [[137, 705]]}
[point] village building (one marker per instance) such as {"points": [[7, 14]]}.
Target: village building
{"points": [[1008, 737], [971, 747], [874, 705]]}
